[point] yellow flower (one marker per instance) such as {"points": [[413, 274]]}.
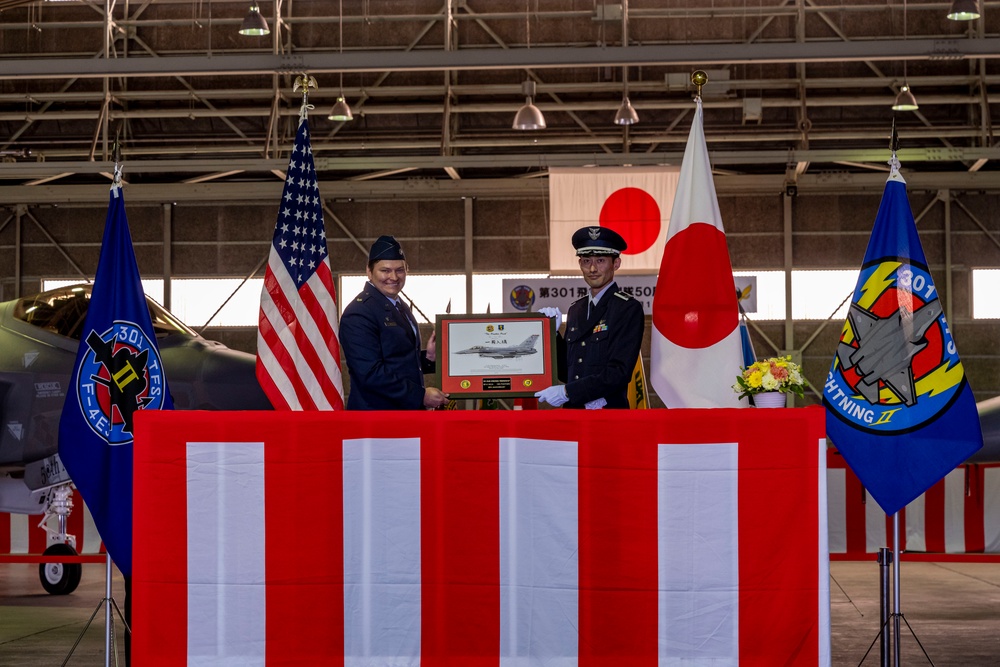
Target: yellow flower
{"points": [[774, 374]]}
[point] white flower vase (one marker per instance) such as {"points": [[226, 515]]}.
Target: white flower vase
{"points": [[769, 399]]}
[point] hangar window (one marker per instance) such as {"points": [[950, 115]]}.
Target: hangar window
{"points": [[816, 295], [196, 300], [769, 301], [985, 288], [430, 294]]}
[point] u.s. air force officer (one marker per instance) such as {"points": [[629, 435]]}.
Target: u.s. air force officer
{"points": [[603, 330], [382, 343]]}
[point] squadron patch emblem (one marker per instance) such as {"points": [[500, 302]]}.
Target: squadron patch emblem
{"points": [[897, 366], [120, 373], [522, 297]]}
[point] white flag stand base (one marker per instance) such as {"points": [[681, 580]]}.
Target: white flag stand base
{"points": [[109, 621], [891, 657]]}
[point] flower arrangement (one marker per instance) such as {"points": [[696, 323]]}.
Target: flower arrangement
{"points": [[774, 374]]}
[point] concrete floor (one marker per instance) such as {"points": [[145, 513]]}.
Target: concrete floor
{"points": [[954, 609], [39, 629]]}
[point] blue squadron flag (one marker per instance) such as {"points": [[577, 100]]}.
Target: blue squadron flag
{"points": [[117, 373], [899, 407]]}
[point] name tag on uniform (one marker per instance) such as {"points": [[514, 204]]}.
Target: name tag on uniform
{"points": [[390, 322], [601, 326]]}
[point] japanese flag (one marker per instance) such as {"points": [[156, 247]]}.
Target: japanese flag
{"points": [[696, 350], [633, 201]]}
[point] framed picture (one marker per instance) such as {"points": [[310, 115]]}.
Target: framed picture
{"points": [[482, 356]]}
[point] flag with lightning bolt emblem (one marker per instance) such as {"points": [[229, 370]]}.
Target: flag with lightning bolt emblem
{"points": [[899, 407]]}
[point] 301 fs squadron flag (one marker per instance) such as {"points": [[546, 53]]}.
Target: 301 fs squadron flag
{"points": [[899, 407], [117, 374]]}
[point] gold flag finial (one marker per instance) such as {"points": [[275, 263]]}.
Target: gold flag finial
{"points": [[304, 82], [699, 78]]}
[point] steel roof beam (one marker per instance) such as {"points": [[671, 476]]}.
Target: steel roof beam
{"points": [[700, 55], [443, 189], [370, 163]]}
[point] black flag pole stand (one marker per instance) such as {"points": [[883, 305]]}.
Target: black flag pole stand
{"points": [[891, 658], [109, 621]]}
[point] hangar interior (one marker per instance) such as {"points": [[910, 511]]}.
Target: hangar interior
{"points": [[797, 120]]}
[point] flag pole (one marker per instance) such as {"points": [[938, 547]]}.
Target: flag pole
{"points": [[108, 618], [896, 613], [109, 621]]}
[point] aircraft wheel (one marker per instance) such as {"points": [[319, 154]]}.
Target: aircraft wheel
{"points": [[60, 578]]}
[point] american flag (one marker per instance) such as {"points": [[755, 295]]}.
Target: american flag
{"points": [[298, 351]]}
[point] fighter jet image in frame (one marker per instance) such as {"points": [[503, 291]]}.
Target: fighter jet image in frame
{"points": [[504, 351], [39, 339], [886, 349]]}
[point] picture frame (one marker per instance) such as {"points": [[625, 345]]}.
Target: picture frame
{"points": [[492, 356]]}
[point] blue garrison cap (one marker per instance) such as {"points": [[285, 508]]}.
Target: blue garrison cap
{"points": [[385, 247], [598, 241]]}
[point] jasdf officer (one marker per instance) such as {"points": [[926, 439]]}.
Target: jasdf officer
{"points": [[603, 330]]}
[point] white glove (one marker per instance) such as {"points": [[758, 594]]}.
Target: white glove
{"points": [[554, 395], [549, 311], [596, 404]]}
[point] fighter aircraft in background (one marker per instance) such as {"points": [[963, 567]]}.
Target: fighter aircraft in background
{"points": [[504, 351], [39, 339], [989, 419]]}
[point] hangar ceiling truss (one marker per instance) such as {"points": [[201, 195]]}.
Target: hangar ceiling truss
{"points": [[799, 91]]}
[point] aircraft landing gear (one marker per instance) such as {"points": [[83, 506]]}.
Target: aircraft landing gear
{"points": [[60, 578]]}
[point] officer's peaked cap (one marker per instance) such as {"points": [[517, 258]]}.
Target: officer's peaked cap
{"points": [[590, 241]]}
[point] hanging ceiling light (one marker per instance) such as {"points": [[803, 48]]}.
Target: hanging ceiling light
{"points": [[529, 117], [341, 110], [254, 24], [626, 114], [905, 101], [964, 10]]}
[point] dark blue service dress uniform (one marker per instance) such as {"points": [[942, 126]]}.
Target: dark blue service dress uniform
{"points": [[383, 354], [601, 350]]}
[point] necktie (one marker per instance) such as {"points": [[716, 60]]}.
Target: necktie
{"points": [[405, 312]]}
